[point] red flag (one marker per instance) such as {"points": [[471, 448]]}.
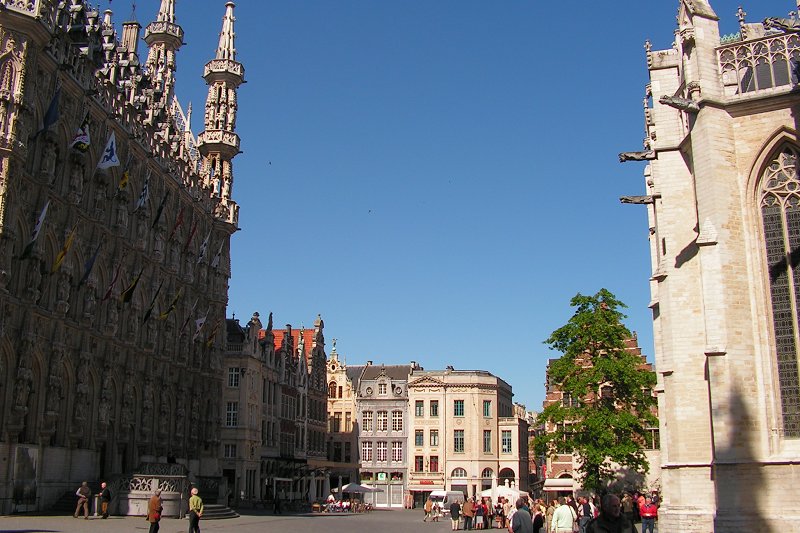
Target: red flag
{"points": [[191, 236], [178, 224], [113, 282]]}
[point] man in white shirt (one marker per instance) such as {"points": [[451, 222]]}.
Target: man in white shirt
{"points": [[563, 518]]}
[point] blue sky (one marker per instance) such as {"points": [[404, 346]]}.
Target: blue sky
{"points": [[437, 178]]}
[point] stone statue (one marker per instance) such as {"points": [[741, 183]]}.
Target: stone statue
{"points": [[62, 290], [89, 302], [783, 24], [22, 386], [163, 417], [648, 155], [158, 244], [76, 181], [48, 167], [55, 382], [34, 280], [683, 104]]}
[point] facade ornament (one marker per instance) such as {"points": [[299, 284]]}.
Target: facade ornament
{"points": [[47, 170], [76, 176], [682, 104], [648, 155], [62, 293]]}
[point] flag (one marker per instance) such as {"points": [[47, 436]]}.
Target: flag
{"points": [[216, 260], [189, 316], [52, 113], [160, 209], [36, 229], [172, 305], [145, 194], [123, 181], [191, 235], [203, 247], [109, 158], [198, 325], [210, 341], [87, 268], [63, 253], [152, 303], [127, 294], [113, 282], [178, 224], [81, 139]]}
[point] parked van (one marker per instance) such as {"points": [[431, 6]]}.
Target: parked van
{"points": [[446, 497]]}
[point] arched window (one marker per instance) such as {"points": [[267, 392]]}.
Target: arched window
{"points": [[487, 473], [486, 478], [459, 472], [332, 389], [780, 213]]}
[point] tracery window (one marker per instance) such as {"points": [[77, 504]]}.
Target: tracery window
{"points": [[780, 212]]}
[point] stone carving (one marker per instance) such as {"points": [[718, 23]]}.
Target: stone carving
{"points": [[683, 104], [648, 155], [783, 24], [47, 170], [163, 416], [106, 397], [55, 381], [89, 301], [62, 293], [76, 172]]}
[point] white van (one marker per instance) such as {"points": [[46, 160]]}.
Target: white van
{"points": [[446, 497]]}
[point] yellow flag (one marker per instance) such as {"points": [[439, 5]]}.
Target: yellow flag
{"points": [[63, 253]]}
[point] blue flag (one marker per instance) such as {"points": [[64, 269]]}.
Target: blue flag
{"points": [[52, 113]]}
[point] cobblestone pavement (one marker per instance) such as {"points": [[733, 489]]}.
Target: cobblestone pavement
{"points": [[380, 521]]}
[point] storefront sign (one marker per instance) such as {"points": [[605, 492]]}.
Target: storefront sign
{"points": [[425, 482], [381, 476]]}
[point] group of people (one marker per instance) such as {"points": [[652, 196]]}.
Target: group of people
{"points": [[609, 514], [154, 506]]}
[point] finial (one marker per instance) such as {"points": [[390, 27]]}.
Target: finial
{"points": [[226, 49], [167, 11], [740, 14], [133, 10], [188, 125], [648, 46]]}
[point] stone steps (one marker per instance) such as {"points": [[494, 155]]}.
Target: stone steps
{"points": [[218, 512]]}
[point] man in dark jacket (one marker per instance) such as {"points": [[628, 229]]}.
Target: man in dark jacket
{"points": [[105, 499], [521, 521], [611, 519], [455, 511]]}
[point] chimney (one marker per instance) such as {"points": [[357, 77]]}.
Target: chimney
{"points": [[369, 363], [130, 36]]}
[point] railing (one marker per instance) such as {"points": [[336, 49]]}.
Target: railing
{"points": [[754, 66]]}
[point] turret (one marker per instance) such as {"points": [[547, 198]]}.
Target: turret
{"points": [[218, 143], [164, 37]]}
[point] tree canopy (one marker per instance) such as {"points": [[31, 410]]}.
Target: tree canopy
{"points": [[607, 393]]}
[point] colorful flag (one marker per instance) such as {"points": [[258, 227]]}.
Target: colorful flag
{"points": [[52, 114], [145, 194], [191, 235], [109, 158], [203, 247], [63, 253], [198, 325], [172, 305], [81, 140], [152, 303], [87, 268], [216, 260], [160, 209], [127, 294], [178, 224], [189, 316], [113, 281], [126, 177], [36, 229], [210, 341]]}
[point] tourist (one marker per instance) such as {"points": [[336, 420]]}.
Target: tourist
{"points": [[563, 517], [468, 511], [455, 511], [195, 511], [611, 519], [105, 499], [649, 513], [521, 521], [538, 519], [548, 515], [83, 493], [627, 506], [437, 510], [479, 515], [154, 509]]}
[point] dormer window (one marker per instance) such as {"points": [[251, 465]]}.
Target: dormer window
{"points": [[382, 389]]}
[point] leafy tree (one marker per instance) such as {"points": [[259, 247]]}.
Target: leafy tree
{"points": [[610, 390]]}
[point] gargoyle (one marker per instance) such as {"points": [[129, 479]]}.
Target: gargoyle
{"points": [[649, 155], [684, 104]]}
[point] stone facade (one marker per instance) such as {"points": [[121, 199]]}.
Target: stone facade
{"points": [[721, 193], [343, 424], [114, 239], [382, 411], [466, 433], [274, 403]]}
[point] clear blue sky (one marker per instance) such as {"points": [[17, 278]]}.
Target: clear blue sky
{"points": [[444, 174]]}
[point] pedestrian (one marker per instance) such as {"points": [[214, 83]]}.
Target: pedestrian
{"points": [[479, 515], [195, 511], [468, 511], [105, 499], [585, 513], [154, 509], [563, 517], [455, 511], [428, 507], [521, 521], [83, 493], [538, 520], [611, 519], [436, 511], [649, 513], [276, 508], [627, 506], [548, 516]]}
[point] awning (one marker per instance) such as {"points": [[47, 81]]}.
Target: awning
{"points": [[558, 484]]}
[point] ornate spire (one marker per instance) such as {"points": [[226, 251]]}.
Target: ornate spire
{"points": [[167, 11], [164, 37], [225, 50], [218, 143]]}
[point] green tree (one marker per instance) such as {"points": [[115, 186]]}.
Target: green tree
{"points": [[607, 393]]}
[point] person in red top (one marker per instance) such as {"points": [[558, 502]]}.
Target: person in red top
{"points": [[649, 512]]}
